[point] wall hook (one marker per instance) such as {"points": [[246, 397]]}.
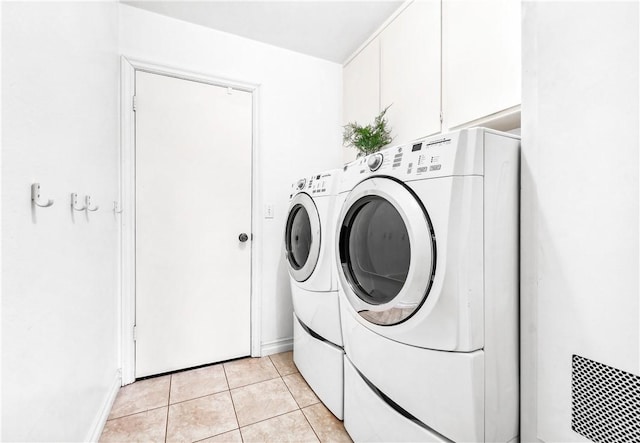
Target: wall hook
{"points": [[116, 208], [74, 203], [87, 204], [35, 197]]}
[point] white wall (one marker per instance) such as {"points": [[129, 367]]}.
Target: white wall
{"points": [[59, 288], [300, 117], [580, 143]]}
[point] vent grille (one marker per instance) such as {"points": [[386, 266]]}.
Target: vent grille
{"points": [[605, 402]]}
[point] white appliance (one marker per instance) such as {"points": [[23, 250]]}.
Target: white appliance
{"points": [[309, 249], [427, 254]]}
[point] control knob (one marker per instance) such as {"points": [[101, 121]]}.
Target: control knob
{"points": [[374, 162], [301, 183]]}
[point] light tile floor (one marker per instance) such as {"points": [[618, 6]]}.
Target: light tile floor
{"points": [[249, 400]]}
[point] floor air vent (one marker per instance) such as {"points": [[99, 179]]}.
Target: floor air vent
{"points": [[605, 402]]}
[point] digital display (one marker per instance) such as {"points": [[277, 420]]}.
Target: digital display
{"points": [[416, 147]]}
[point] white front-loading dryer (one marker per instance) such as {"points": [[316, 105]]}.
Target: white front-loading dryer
{"points": [[427, 256], [309, 250]]}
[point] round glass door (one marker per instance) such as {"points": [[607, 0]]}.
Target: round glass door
{"points": [[386, 251], [377, 253], [302, 237], [298, 236]]}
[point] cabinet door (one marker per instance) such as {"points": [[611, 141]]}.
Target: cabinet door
{"points": [[480, 58], [410, 71], [361, 89]]}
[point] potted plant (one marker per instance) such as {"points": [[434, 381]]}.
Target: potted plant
{"points": [[370, 138]]}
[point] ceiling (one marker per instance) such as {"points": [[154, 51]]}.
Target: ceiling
{"points": [[331, 30]]}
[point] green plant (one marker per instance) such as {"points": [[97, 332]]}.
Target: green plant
{"points": [[370, 138]]}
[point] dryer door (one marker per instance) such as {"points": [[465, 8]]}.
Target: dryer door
{"points": [[302, 237], [386, 251]]}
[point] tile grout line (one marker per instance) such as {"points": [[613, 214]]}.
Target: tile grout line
{"points": [[299, 409], [267, 419], [274, 366], [254, 383], [166, 426], [199, 397], [278, 370], [291, 393], [310, 425], [233, 404], [136, 413], [294, 397]]}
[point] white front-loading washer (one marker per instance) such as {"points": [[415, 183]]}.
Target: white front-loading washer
{"points": [[427, 255], [309, 250]]}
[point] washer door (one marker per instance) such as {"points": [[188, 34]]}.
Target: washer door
{"points": [[386, 251], [302, 237]]}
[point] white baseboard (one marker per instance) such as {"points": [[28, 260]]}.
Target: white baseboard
{"points": [[103, 413], [276, 346]]}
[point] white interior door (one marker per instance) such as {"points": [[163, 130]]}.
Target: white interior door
{"points": [[193, 200]]}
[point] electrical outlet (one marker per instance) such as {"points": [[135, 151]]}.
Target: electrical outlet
{"points": [[268, 211]]}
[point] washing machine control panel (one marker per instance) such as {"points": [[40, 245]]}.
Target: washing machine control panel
{"points": [[316, 185], [429, 156]]}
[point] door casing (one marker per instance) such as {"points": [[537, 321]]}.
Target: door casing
{"points": [[127, 271]]}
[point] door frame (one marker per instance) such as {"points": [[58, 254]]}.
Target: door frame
{"points": [[127, 271]]}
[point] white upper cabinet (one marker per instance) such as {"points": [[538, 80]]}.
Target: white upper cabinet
{"points": [[361, 90], [361, 86], [480, 59], [410, 71], [441, 65]]}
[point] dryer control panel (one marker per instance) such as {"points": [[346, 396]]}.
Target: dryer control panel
{"points": [[458, 153]]}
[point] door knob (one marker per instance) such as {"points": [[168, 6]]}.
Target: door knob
{"points": [[243, 237]]}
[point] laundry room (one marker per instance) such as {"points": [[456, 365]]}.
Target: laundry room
{"points": [[369, 221]]}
